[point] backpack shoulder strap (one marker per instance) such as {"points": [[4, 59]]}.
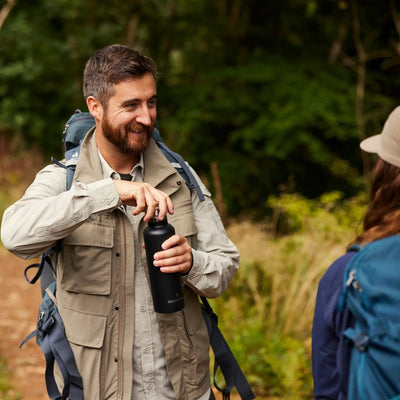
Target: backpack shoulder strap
{"points": [[179, 164], [224, 357], [45, 269], [50, 336]]}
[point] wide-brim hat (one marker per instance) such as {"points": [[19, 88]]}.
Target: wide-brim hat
{"points": [[387, 143]]}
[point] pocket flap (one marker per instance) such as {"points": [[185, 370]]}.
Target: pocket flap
{"points": [[91, 235], [84, 329], [183, 219]]}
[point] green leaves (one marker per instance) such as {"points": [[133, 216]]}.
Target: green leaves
{"points": [[265, 90], [266, 123]]}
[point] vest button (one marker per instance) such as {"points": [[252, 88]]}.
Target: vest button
{"points": [[179, 183], [117, 254]]}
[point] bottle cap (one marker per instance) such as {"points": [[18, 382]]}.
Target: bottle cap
{"points": [[154, 218]]}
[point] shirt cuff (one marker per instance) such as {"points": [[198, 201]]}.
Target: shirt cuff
{"points": [[196, 271], [103, 193]]}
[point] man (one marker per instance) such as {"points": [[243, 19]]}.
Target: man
{"points": [[123, 349]]}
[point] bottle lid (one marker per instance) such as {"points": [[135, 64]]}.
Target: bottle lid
{"points": [[154, 219]]}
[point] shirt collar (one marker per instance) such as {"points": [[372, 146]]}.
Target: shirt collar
{"points": [[136, 171]]}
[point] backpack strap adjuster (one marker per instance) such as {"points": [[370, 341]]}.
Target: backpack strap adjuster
{"points": [[48, 324]]}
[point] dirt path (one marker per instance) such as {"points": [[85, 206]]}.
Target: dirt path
{"points": [[19, 303]]}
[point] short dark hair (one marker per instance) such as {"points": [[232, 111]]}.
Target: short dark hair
{"points": [[113, 64]]}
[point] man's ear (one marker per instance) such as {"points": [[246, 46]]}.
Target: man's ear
{"points": [[95, 108]]}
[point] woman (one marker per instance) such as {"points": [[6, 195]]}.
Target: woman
{"points": [[330, 351]]}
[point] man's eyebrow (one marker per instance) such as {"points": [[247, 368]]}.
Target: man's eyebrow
{"points": [[136, 100]]}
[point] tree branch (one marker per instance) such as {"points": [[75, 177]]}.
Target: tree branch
{"points": [[337, 44], [5, 10], [360, 88], [219, 198], [132, 29]]}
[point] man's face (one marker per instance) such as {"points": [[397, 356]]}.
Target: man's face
{"points": [[129, 118]]}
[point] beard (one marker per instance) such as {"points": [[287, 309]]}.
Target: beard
{"points": [[126, 142]]}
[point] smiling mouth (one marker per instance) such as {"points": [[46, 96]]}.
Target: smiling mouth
{"points": [[137, 130]]}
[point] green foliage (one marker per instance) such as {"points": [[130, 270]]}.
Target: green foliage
{"points": [[266, 314], [293, 213], [274, 364], [266, 90], [4, 203], [262, 136], [43, 49]]}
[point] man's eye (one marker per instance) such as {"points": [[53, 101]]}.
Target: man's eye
{"points": [[132, 105], [152, 103]]}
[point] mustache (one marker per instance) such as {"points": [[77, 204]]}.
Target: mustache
{"points": [[138, 128]]}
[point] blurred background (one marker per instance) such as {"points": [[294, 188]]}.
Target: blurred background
{"points": [[267, 100]]}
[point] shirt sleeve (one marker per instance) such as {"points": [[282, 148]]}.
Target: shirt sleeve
{"points": [[330, 350], [215, 257], [48, 212]]}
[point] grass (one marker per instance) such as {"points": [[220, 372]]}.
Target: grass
{"points": [[266, 314], [6, 390]]}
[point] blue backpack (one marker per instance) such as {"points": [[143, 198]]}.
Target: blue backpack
{"points": [[371, 290], [50, 333]]}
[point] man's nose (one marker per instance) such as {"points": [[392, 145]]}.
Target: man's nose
{"points": [[144, 117]]}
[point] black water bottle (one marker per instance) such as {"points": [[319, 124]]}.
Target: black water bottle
{"points": [[166, 288]]}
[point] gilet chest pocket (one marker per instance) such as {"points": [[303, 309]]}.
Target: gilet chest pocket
{"points": [[183, 218], [86, 260]]}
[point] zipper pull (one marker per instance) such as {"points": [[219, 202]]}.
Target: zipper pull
{"points": [[352, 281], [351, 278]]}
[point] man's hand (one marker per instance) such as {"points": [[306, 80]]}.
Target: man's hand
{"points": [[144, 197], [175, 257]]}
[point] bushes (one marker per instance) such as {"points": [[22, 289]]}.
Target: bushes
{"points": [[266, 314]]}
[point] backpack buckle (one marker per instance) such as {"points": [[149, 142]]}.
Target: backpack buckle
{"points": [[361, 341]]}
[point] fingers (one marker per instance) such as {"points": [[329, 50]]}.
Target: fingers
{"points": [[145, 198], [157, 199], [150, 205], [176, 256]]}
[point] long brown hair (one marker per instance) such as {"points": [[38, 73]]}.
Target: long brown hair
{"points": [[382, 218]]}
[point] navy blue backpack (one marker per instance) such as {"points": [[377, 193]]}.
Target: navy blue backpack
{"points": [[371, 290]]}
